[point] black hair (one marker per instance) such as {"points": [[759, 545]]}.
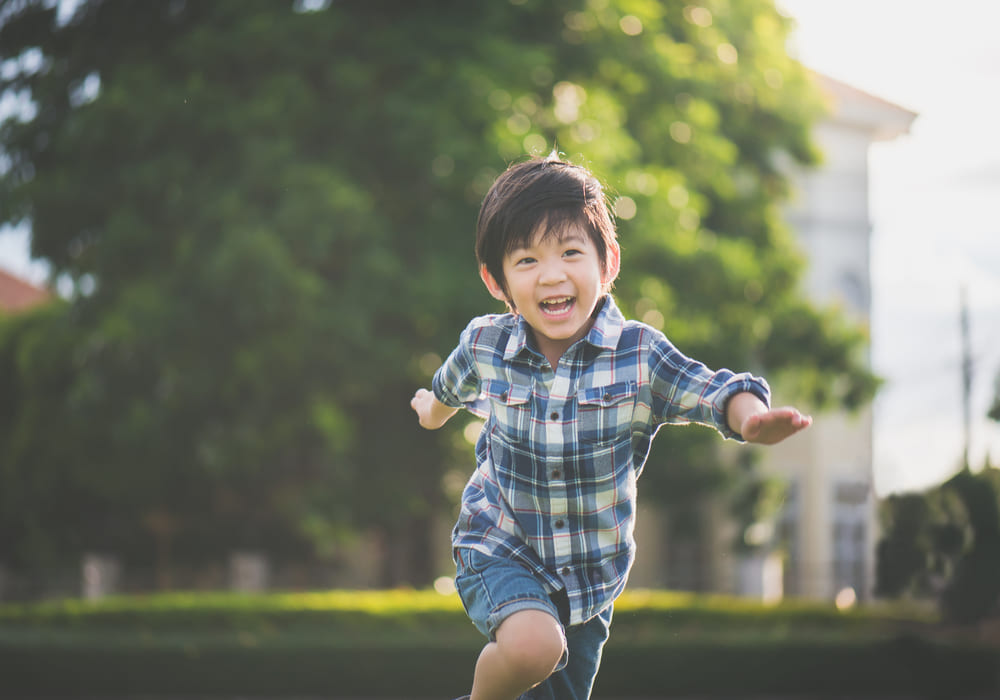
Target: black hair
{"points": [[540, 194]]}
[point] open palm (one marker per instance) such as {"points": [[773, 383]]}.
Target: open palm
{"points": [[773, 426]]}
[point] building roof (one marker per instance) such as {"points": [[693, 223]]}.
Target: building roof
{"points": [[17, 294], [849, 105]]}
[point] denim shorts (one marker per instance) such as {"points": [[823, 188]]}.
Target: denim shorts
{"points": [[494, 588]]}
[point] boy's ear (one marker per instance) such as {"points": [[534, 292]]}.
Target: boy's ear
{"points": [[496, 291], [612, 264]]}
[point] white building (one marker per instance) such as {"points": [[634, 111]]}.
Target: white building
{"points": [[824, 540], [829, 527]]}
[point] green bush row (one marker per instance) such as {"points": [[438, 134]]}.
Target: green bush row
{"points": [[335, 612], [413, 617], [211, 610], [420, 644]]}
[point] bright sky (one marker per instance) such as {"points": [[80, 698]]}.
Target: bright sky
{"points": [[934, 199], [935, 225]]}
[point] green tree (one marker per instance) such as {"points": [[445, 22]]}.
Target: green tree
{"points": [[974, 591], [265, 214], [923, 536], [945, 544], [994, 411]]}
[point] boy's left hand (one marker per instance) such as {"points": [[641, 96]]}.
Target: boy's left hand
{"points": [[770, 427]]}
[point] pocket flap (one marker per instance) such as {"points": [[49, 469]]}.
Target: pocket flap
{"points": [[606, 395], [505, 392]]}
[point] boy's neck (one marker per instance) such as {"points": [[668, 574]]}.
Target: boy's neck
{"points": [[553, 359], [553, 350], [551, 354]]}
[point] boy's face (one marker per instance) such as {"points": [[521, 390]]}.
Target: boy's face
{"points": [[555, 283]]}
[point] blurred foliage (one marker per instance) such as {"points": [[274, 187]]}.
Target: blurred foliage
{"points": [[922, 535], [945, 543], [973, 593], [994, 411], [265, 216]]}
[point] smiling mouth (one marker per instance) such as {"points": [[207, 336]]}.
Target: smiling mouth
{"points": [[557, 305]]}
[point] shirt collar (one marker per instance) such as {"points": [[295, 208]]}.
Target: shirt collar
{"points": [[607, 328], [604, 334]]}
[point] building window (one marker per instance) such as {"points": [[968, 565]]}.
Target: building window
{"points": [[855, 291], [850, 536], [788, 535], [685, 565]]}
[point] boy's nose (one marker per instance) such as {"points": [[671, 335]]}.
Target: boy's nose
{"points": [[552, 273]]}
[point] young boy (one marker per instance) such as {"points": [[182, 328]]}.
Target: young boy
{"points": [[572, 394]]}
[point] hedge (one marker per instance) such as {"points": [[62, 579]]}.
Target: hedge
{"points": [[419, 644]]}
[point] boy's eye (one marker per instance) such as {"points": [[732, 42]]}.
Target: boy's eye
{"points": [[524, 261], [572, 251]]}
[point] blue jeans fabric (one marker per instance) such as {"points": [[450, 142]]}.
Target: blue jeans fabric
{"points": [[492, 589]]}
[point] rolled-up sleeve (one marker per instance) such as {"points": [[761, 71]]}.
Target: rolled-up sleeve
{"points": [[456, 383], [738, 384], [686, 391]]}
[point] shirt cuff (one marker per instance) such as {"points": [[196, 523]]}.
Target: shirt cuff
{"points": [[739, 384], [442, 394]]}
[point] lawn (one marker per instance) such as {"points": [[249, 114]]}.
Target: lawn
{"points": [[384, 643]]}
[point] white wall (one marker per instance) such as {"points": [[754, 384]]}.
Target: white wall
{"points": [[832, 461]]}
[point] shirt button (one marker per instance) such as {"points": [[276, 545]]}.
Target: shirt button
{"points": [[555, 415], [559, 523], [607, 396], [565, 571], [556, 473], [503, 396]]}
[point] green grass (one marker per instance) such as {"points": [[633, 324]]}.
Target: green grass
{"points": [[396, 643]]}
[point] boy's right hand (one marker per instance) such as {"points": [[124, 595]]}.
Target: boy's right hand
{"points": [[431, 412]]}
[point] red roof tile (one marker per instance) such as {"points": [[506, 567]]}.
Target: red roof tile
{"points": [[17, 295]]}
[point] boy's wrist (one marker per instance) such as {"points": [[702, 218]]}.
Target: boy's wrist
{"points": [[438, 413], [740, 407]]}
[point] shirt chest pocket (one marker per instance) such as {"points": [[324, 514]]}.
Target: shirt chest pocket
{"points": [[511, 408], [604, 413]]}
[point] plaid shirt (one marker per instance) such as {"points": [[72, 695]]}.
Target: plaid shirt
{"points": [[558, 457]]}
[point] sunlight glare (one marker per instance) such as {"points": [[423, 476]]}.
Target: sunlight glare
{"points": [[654, 318], [429, 362], [727, 54], [443, 165], [678, 196], [680, 132], [698, 15], [472, 430], [569, 98], [445, 585], [625, 208], [631, 25], [535, 144], [518, 124], [846, 599]]}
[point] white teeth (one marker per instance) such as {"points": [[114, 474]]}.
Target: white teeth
{"points": [[560, 300]]}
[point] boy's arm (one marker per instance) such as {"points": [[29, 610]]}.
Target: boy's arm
{"points": [[750, 417], [431, 412]]}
